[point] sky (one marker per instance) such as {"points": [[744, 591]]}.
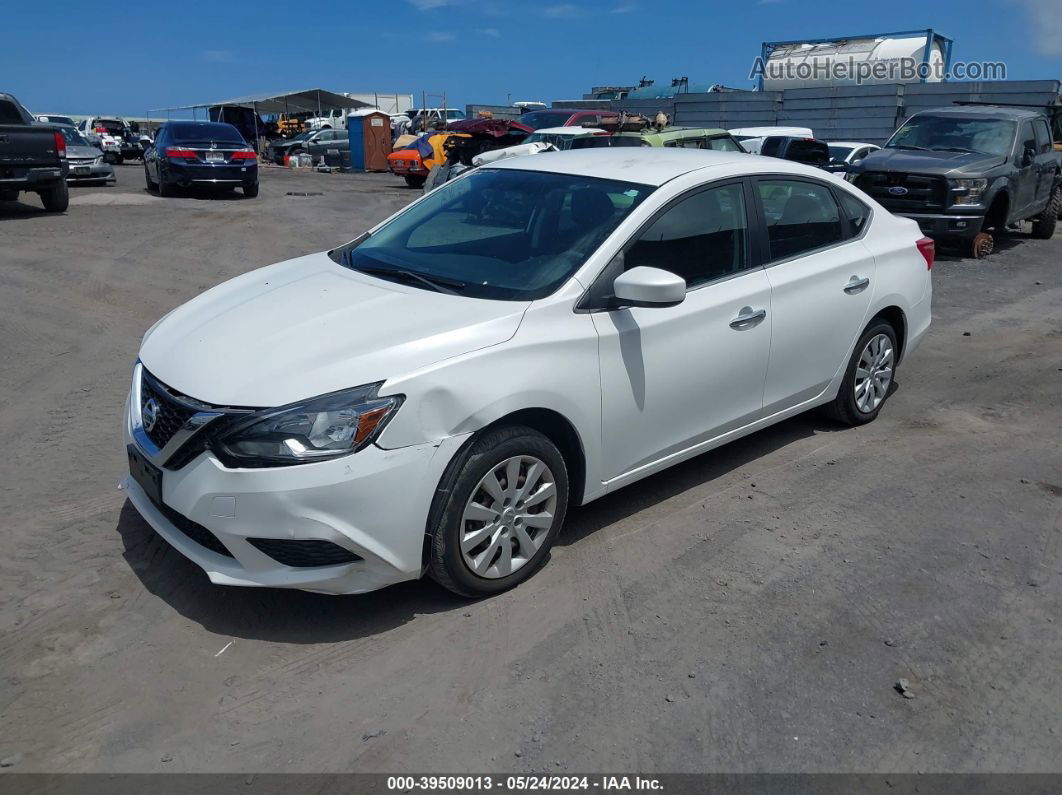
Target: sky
{"points": [[108, 58]]}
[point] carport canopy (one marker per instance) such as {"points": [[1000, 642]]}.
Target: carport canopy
{"points": [[309, 100]]}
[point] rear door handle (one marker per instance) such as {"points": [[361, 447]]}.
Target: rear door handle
{"points": [[856, 285], [748, 318]]}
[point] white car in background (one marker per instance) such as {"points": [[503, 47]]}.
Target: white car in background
{"points": [[847, 153], [752, 138], [432, 396]]}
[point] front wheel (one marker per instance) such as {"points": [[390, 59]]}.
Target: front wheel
{"points": [[870, 373], [498, 512]]}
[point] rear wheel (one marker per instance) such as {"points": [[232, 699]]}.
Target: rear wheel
{"points": [[8, 195], [505, 502], [1043, 227], [870, 373], [147, 178], [56, 199], [250, 191], [415, 181], [165, 188]]}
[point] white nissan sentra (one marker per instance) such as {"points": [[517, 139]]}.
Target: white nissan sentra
{"points": [[433, 396]]}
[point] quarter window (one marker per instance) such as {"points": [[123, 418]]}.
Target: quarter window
{"points": [[855, 212], [702, 238], [801, 216]]}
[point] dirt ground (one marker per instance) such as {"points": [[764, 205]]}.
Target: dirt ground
{"points": [[750, 610]]}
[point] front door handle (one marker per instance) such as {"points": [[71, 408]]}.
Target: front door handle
{"points": [[748, 318], [856, 285]]}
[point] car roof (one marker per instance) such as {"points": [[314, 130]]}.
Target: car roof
{"points": [[852, 144], [569, 131], [653, 165], [982, 111]]}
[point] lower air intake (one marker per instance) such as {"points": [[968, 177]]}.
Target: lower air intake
{"points": [[304, 554]]}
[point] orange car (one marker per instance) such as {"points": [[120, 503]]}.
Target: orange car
{"points": [[415, 162]]}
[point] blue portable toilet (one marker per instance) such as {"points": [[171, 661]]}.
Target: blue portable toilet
{"points": [[369, 133]]}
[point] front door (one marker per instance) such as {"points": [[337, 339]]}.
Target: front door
{"points": [[677, 376]]}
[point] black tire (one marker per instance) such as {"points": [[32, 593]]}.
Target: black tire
{"points": [[165, 188], [250, 191], [8, 195], [446, 564], [56, 199], [843, 409], [1043, 227], [415, 181], [147, 178]]}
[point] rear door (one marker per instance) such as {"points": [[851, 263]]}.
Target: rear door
{"points": [[1028, 170], [1046, 162], [821, 278]]}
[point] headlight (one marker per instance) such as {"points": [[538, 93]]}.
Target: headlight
{"points": [[98, 161], [311, 430], [968, 191]]}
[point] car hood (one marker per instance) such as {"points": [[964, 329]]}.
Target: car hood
{"points": [[307, 327], [914, 161]]}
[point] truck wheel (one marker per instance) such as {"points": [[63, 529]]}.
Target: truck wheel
{"points": [[981, 246], [1043, 227], [56, 199]]}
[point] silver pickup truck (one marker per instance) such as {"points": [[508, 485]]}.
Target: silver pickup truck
{"points": [[32, 157]]}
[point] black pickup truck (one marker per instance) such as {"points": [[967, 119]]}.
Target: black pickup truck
{"points": [[964, 173], [32, 157]]}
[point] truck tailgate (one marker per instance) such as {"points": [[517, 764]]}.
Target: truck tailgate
{"points": [[27, 146]]}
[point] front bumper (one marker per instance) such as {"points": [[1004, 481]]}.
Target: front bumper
{"points": [[374, 503], [91, 173], [945, 225]]}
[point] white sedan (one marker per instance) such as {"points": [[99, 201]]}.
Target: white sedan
{"points": [[433, 396]]}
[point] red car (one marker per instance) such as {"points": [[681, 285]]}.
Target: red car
{"points": [[563, 117]]}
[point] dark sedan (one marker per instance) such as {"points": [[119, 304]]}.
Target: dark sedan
{"points": [[201, 153]]}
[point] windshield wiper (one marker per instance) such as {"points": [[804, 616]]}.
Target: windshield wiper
{"points": [[436, 283], [957, 149], [910, 146]]}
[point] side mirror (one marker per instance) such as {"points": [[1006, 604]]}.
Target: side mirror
{"points": [[649, 287]]}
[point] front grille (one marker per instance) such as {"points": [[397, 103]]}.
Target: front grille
{"points": [[171, 414], [193, 530], [304, 554], [924, 193]]}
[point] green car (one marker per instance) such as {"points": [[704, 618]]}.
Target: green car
{"points": [[688, 138]]}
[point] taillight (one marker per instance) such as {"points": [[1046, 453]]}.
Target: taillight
{"points": [[60, 143], [246, 154], [101, 129], [174, 152], [929, 250]]}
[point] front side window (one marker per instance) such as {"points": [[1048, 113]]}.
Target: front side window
{"points": [[1028, 137], [1043, 138], [505, 234], [801, 216], [702, 238]]}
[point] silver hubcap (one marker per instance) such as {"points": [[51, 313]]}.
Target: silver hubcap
{"points": [[508, 516], [873, 373]]}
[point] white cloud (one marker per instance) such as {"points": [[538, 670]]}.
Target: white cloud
{"points": [[625, 7], [217, 56], [439, 36], [1046, 21], [492, 33], [562, 11], [427, 5]]}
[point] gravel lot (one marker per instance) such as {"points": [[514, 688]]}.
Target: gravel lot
{"points": [[750, 610]]}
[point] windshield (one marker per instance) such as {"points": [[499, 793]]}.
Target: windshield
{"points": [[839, 153], [605, 141], [505, 234], [539, 119], [558, 140], [955, 133], [73, 137]]}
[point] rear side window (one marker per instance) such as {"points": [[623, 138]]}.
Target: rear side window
{"points": [[855, 212], [771, 147], [702, 238], [801, 216], [723, 143], [9, 113]]}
